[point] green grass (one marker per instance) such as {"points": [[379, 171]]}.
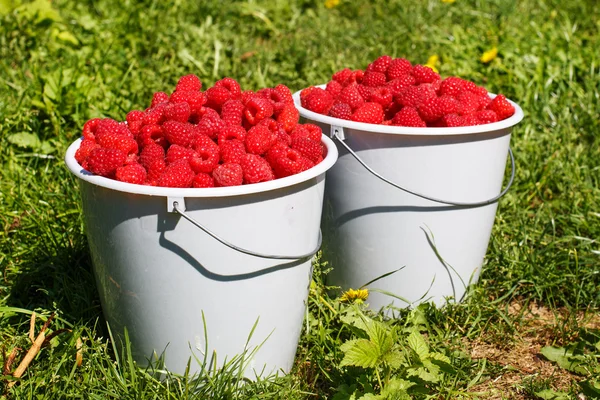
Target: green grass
{"points": [[64, 62]]}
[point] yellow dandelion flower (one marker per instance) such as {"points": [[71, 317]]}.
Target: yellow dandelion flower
{"points": [[355, 295], [448, 1], [489, 55], [432, 62], [331, 3]]}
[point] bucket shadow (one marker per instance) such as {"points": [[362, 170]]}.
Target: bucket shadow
{"points": [[344, 218]]}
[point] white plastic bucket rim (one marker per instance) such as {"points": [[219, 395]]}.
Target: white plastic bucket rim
{"points": [[406, 130], [275, 184]]}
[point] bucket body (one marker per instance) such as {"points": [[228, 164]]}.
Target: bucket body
{"points": [[180, 293], [372, 228]]}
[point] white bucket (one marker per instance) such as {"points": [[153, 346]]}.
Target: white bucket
{"points": [[372, 228], [166, 280]]}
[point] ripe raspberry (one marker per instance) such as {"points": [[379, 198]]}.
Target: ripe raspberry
{"points": [[471, 119], [409, 97], [256, 169], [398, 67], [152, 157], [424, 74], [194, 99], [289, 162], [374, 79], [381, 64], [343, 76], [178, 132], [288, 117], [158, 98], [399, 84], [340, 110], [209, 126], [383, 96], [452, 120], [257, 109], [430, 109], [229, 174], [232, 86], [501, 107], [89, 128], [135, 127], [365, 91], [109, 126], [176, 152], [178, 112], [452, 86], [216, 96], [207, 155], [232, 151], [310, 131], [188, 83], [357, 76], [151, 134], [304, 93], [259, 140], [351, 96], [84, 150], [487, 116], [469, 102], [448, 104], [408, 116], [309, 149], [133, 116], [132, 173], [247, 95], [319, 101], [104, 162], [178, 175], [232, 112], [120, 142], [203, 180], [277, 100], [370, 113], [155, 115], [483, 101], [231, 132], [334, 88], [276, 151], [286, 93]]}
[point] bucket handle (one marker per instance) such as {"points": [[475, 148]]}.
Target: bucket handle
{"points": [[337, 132], [175, 207]]}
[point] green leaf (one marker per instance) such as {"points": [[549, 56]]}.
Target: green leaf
{"points": [[396, 389], [6, 6], [39, 11], [439, 357], [360, 353], [424, 374], [564, 358], [25, 139], [418, 344], [394, 358], [550, 394], [591, 388], [371, 396], [68, 37]]}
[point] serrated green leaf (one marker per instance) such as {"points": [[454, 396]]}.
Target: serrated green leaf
{"points": [[396, 389], [394, 358], [550, 394], [25, 139], [439, 357], [417, 317], [424, 374], [418, 344], [360, 353]]}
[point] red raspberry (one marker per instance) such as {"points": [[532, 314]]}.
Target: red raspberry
{"points": [[487, 116], [194, 99], [135, 128], [232, 86], [89, 128], [109, 126], [365, 91], [408, 116], [120, 142], [276, 151], [232, 151], [334, 88], [478, 90], [469, 102], [424, 74], [256, 169], [203, 180], [501, 107], [351, 96], [452, 86], [133, 116], [232, 112], [260, 139], [132, 173], [277, 129], [286, 93], [276, 99], [290, 162], [399, 84], [152, 157], [84, 150], [452, 120], [178, 112], [151, 134], [370, 113], [310, 131], [383, 96], [178, 132], [210, 126], [155, 115], [374, 79], [104, 162], [176, 152], [207, 155], [340, 110], [257, 109], [448, 105], [398, 67], [357, 76], [319, 101], [430, 109], [390, 112], [158, 98], [304, 93], [343, 76], [289, 117], [247, 95], [381, 64], [188, 83], [231, 132], [216, 96], [471, 119], [409, 97], [178, 175], [229, 174], [309, 149]]}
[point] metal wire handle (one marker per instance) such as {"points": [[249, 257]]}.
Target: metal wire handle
{"points": [[177, 209], [336, 135]]}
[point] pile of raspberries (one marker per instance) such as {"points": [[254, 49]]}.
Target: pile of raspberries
{"points": [[394, 92], [192, 138]]}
